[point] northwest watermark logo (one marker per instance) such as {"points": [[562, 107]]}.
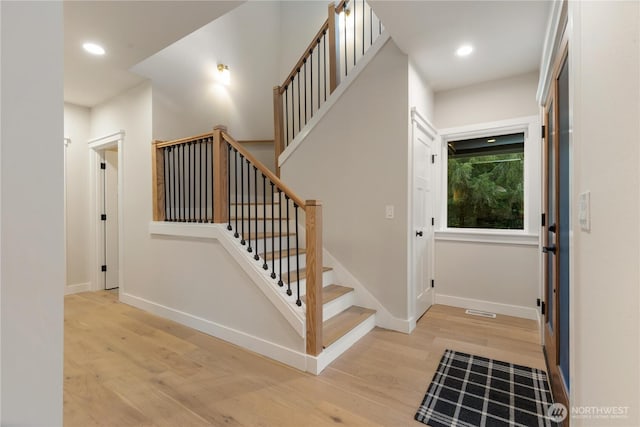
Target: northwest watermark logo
{"points": [[557, 412]]}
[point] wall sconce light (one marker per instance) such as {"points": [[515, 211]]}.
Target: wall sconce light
{"points": [[223, 74]]}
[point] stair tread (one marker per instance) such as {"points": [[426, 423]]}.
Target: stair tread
{"points": [[268, 235], [331, 292], [303, 273], [280, 254], [342, 323]]}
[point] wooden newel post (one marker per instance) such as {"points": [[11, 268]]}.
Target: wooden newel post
{"points": [[220, 176], [157, 180], [278, 126], [313, 213], [334, 43]]}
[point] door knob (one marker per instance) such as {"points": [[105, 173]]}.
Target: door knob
{"points": [[552, 228], [419, 233], [547, 249]]}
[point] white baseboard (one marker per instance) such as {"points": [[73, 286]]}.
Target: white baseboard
{"points": [[364, 298], [271, 350], [493, 307], [78, 287]]}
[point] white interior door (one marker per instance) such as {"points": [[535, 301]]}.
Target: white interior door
{"points": [[423, 219], [111, 223]]}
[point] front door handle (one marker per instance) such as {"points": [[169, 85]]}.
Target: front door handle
{"points": [[552, 228], [419, 233], [547, 249]]}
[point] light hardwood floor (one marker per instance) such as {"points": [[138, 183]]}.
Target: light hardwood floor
{"points": [[124, 367]]}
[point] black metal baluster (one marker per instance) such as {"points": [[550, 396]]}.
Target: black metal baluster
{"points": [[229, 188], [273, 232], [355, 6], [188, 186], [318, 43], [293, 110], [324, 61], [210, 139], [311, 79], [184, 183], [174, 200], [379, 26], [255, 219], [200, 187], [235, 200], [363, 16], [167, 184], [286, 114], [192, 151], [264, 222], [288, 248], [299, 100], [344, 15], [304, 62], [370, 26], [280, 232], [298, 302], [206, 181], [249, 248], [242, 241]]}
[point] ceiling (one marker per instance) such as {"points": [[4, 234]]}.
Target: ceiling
{"points": [[507, 37], [130, 31]]}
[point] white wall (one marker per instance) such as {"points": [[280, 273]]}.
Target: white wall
{"points": [[356, 169], [486, 102], [420, 94], [604, 64], [31, 218], [499, 277], [299, 22], [187, 97], [76, 128], [193, 276]]}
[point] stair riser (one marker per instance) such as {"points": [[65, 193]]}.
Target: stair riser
{"points": [[338, 305], [327, 279]]}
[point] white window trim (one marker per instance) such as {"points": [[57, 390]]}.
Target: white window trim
{"points": [[530, 125]]}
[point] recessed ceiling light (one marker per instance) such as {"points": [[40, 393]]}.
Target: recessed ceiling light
{"points": [[491, 140], [94, 49], [464, 50]]}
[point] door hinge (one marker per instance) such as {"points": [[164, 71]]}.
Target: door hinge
{"points": [[103, 217], [433, 283], [103, 268], [538, 302], [542, 307], [543, 219], [433, 221], [433, 158], [542, 129], [103, 165]]}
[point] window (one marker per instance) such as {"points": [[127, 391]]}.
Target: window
{"points": [[485, 182]]}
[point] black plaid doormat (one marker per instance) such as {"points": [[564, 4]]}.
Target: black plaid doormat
{"points": [[472, 391]]}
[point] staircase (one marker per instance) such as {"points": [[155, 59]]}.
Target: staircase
{"points": [[344, 323]]}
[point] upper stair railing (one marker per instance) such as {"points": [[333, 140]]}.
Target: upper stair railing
{"points": [[349, 31], [213, 178]]}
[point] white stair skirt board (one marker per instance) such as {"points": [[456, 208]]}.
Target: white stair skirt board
{"points": [[250, 342], [277, 296], [77, 288], [316, 364], [364, 298], [342, 87], [493, 307]]}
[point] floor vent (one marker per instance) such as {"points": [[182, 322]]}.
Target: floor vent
{"points": [[481, 313]]}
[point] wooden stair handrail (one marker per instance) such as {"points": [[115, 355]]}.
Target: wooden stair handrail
{"points": [[270, 175], [305, 55], [162, 144], [341, 5]]}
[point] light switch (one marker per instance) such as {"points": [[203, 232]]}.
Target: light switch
{"points": [[388, 212], [584, 211]]}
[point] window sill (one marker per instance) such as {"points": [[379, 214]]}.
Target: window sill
{"points": [[502, 237]]}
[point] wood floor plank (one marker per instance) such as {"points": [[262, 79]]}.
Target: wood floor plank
{"points": [[125, 367]]}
